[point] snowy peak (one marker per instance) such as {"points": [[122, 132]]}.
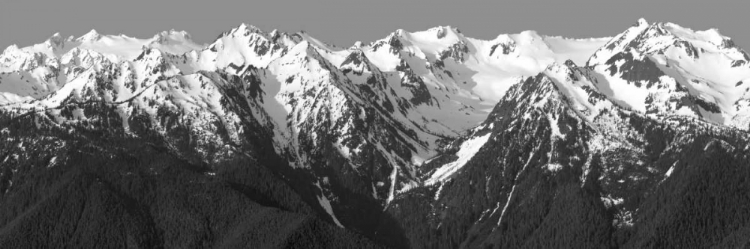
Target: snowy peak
{"points": [[569, 85], [446, 31], [503, 44], [91, 36], [84, 58], [10, 55], [528, 37], [56, 41], [357, 45], [529, 42], [658, 38], [641, 22], [245, 30], [243, 46], [166, 37], [420, 43], [440, 32], [543, 49], [664, 69], [15, 59], [13, 48], [619, 42]]}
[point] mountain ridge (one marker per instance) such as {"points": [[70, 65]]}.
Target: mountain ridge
{"points": [[368, 137]]}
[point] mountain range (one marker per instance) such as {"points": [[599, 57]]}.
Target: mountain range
{"points": [[426, 139]]}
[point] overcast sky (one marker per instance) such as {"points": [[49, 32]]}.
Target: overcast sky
{"points": [[342, 22]]}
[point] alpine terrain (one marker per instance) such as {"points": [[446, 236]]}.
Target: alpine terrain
{"points": [[428, 139]]}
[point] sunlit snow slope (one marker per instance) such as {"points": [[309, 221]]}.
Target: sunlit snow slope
{"points": [[666, 69]]}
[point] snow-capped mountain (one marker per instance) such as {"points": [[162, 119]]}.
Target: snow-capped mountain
{"points": [[413, 83], [558, 164], [665, 69], [38, 70], [461, 139]]}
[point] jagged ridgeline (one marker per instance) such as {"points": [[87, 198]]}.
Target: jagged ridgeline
{"points": [[427, 139]]}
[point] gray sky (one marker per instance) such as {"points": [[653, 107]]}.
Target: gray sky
{"points": [[342, 22]]}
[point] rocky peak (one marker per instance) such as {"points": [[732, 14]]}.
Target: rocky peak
{"points": [[395, 41], [457, 51], [356, 62]]}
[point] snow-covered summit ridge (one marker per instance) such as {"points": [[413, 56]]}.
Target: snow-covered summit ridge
{"points": [[665, 69], [116, 47], [440, 69], [91, 36], [658, 36]]}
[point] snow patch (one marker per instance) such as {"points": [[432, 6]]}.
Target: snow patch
{"points": [[437, 192], [554, 127], [553, 167], [52, 162], [468, 149], [327, 206], [394, 179], [669, 172]]}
